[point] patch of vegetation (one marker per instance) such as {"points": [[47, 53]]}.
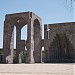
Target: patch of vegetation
{"points": [[23, 57]]}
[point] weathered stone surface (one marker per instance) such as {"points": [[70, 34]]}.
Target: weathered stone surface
{"points": [[19, 20], [59, 42]]}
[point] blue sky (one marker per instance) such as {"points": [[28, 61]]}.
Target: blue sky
{"points": [[51, 11]]}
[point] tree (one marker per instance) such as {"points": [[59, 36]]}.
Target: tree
{"points": [[71, 2]]}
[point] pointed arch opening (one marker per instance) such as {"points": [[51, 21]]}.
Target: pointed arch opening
{"points": [[61, 50], [14, 37], [37, 41]]}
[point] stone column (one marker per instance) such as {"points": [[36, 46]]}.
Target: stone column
{"points": [[8, 40], [18, 38], [30, 43], [45, 42]]}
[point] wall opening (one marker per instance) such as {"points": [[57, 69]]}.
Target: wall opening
{"points": [[24, 33], [24, 37], [37, 41], [42, 55], [14, 37]]}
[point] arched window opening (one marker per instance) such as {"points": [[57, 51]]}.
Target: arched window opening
{"points": [[24, 33], [14, 37], [14, 57]]}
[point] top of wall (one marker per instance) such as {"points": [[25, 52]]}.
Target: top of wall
{"points": [[22, 14], [60, 24]]}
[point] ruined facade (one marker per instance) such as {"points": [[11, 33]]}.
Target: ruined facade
{"points": [[33, 42], [58, 42]]}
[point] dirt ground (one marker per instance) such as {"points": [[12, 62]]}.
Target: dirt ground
{"points": [[37, 69]]}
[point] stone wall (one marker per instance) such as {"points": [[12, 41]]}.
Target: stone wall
{"points": [[34, 25], [59, 42]]}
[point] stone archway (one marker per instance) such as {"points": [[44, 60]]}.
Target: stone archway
{"points": [[19, 19], [37, 41]]}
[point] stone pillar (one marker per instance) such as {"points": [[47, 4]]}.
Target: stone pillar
{"points": [[45, 42], [30, 43], [18, 38], [8, 40]]}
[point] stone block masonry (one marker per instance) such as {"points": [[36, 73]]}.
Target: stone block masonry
{"points": [[58, 42], [33, 37]]}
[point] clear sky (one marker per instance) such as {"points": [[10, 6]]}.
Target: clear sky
{"points": [[51, 11]]}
